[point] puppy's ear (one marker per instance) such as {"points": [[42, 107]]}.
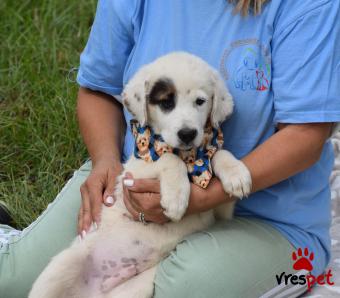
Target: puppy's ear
{"points": [[222, 101], [134, 97]]}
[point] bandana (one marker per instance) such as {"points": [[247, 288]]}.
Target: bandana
{"points": [[150, 147]]}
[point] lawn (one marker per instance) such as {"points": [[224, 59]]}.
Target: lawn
{"points": [[40, 145]]}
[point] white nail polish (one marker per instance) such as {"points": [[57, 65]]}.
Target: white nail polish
{"points": [[109, 200], [83, 234], [95, 225], [92, 228], [79, 238], [128, 182]]}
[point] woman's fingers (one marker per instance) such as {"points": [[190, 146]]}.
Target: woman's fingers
{"points": [[149, 203], [80, 220], [86, 218], [95, 192], [128, 205], [151, 208], [97, 188], [142, 185], [108, 196], [143, 195]]}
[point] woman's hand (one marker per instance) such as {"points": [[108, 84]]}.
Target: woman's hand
{"points": [[102, 126], [96, 190], [143, 195]]}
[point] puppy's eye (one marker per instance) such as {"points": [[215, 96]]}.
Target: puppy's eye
{"points": [[167, 104], [200, 101]]}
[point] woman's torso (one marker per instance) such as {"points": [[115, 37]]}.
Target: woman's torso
{"points": [[241, 49]]}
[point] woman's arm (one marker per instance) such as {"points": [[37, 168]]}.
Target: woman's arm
{"points": [[102, 127], [294, 148], [291, 150]]}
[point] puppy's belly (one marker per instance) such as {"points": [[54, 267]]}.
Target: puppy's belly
{"points": [[119, 251], [123, 248]]}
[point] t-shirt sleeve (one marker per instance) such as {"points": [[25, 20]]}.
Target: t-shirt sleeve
{"points": [[111, 40], [306, 67]]}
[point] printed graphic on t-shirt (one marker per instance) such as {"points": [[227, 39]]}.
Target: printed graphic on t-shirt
{"points": [[247, 63]]}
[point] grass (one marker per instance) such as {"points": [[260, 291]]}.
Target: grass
{"points": [[40, 145]]}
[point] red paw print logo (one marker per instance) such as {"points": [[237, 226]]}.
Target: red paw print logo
{"points": [[303, 261]]}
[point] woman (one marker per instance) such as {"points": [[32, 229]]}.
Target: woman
{"points": [[281, 64]]}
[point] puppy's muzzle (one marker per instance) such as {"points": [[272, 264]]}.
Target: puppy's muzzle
{"points": [[187, 135]]}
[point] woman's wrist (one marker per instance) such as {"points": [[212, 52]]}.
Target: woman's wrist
{"points": [[111, 161], [197, 200], [202, 200]]}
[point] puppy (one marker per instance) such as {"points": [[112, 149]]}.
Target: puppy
{"points": [[175, 97]]}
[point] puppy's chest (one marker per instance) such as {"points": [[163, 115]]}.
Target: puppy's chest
{"points": [[197, 160]]}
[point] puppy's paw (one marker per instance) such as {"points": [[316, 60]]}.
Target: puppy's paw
{"points": [[233, 174], [236, 180], [175, 199], [175, 186], [173, 210]]}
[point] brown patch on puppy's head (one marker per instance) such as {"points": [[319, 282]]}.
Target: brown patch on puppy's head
{"points": [[163, 94]]}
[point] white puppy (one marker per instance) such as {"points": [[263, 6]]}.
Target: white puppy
{"points": [[175, 96]]}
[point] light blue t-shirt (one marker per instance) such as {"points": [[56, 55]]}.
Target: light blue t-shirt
{"points": [[281, 67]]}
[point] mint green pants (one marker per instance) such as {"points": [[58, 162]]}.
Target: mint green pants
{"points": [[236, 259]]}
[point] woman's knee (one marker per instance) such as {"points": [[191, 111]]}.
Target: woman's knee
{"points": [[176, 282], [221, 263], [192, 278]]}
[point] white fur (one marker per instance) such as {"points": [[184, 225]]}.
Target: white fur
{"points": [[192, 78], [78, 271]]}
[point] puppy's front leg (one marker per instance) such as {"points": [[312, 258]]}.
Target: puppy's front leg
{"points": [[175, 185], [233, 174]]}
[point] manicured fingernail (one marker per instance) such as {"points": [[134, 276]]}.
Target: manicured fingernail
{"points": [[109, 200], [83, 234], [128, 182], [79, 238], [95, 225]]}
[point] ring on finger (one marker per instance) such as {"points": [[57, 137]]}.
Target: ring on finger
{"points": [[141, 218]]}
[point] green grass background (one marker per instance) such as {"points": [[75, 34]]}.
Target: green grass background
{"points": [[40, 146]]}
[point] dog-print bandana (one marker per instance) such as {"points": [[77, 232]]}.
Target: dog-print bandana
{"points": [[150, 147]]}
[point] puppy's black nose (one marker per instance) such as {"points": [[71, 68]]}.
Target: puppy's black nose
{"points": [[187, 135]]}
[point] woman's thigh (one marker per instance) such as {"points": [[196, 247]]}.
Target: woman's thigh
{"points": [[24, 257], [233, 259]]}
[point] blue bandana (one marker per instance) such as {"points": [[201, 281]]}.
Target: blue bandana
{"points": [[150, 147]]}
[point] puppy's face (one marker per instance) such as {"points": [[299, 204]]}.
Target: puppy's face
{"points": [[178, 112], [176, 95]]}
